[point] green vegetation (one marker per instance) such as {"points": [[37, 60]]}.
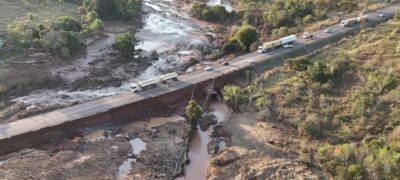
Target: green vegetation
{"points": [[215, 13], [276, 18], [65, 23], [45, 11], [345, 99], [193, 113], [114, 9], [59, 36], [124, 44], [242, 39]]}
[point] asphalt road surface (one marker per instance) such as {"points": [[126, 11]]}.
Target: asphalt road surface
{"points": [[72, 113]]}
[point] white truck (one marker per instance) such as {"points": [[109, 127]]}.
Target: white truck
{"points": [[165, 77], [152, 82], [285, 42], [353, 21]]}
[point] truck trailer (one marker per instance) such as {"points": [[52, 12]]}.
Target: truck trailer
{"points": [[353, 21], [277, 43], [170, 76], [152, 82], [145, 84]]}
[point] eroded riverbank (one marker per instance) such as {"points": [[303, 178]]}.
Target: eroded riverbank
{"points": [[168, 40], [201, 145]]}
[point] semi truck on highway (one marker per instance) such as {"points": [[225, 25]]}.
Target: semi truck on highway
{"points": [[288, 40], [152, 82], [353, 21]]}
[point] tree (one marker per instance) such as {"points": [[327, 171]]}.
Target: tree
{"points": [[262, 103], [193, 113], [66, 23], [247, 35], [124, 44], [96, 26], [231, 93], [250, 90]]}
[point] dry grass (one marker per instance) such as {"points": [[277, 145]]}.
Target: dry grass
{"points": [[14, 9]]}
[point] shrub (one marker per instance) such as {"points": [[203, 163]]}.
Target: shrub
{"points": [[62, 43], [355, 172], [310, 126], [361, 102], [96, 26], [124, 44], [397, 16], [215, 13], [66, 23], [231, 46], [318, 72], [298, 64], [110, 9]]}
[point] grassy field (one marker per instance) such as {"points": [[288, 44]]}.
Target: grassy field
{"points": [[355, 111], [14, 9]]}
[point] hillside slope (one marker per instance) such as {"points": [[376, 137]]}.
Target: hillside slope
{"points": [[337, 111]]}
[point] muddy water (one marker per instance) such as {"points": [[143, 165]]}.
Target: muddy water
{"points": [[137, 146], [80, 67], [138, 126], [198, 154], [166, 29]]}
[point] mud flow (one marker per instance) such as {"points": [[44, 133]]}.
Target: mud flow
{"points": [[198, 150]]}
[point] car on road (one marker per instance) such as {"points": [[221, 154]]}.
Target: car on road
{"points": [[382, 15], [251, 61], [208, 68], [288, 46], [306, 35], [327, 30]]}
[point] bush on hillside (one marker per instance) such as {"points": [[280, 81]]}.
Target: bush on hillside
{"points": [[318, 72]]}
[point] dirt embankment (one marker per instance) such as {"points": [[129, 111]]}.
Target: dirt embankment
{"points": [[146, 149], [258, 150]]}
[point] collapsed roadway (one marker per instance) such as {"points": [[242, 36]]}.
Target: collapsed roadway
{"points": [[30, 132]]}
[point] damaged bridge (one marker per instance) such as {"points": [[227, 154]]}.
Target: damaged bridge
{"points": [[30, 132]]}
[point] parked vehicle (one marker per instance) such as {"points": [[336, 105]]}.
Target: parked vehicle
{"points": [[287, 46], [353, 21], [142, 85], [169, 76], [288, 40], [152, 82]]}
